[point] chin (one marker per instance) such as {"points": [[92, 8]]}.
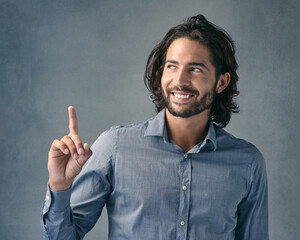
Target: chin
{"points": [[188, 112], [183, 113]]}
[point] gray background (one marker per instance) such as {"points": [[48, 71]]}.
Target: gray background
{"points": [[92, 54]]}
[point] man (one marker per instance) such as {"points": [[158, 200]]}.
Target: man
{"points": [[178, 175]]}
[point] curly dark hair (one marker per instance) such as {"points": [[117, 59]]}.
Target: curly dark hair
{"points": [[223, 59]]}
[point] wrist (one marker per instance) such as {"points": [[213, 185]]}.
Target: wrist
{"points": [[58, 186]]}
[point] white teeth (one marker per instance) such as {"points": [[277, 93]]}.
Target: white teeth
{"points": [[181, 96]]}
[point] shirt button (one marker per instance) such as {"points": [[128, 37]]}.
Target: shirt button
{"points": [[184, 188], [47, 198], [182, 223], [185, 155]]}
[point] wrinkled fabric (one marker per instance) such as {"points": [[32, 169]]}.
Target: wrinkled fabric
{"points": [[153, 190]]}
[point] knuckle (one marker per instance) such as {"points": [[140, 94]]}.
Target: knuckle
{"points": [[73, 136], [76, 139], [72, 147], [68, 142], [64, 138], [55, 143]]}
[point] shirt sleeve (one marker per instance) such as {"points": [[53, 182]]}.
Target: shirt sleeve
{"points": [[72, 213], [56, 215], [252, 222]]}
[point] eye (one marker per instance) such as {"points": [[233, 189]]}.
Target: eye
{"points": [[171, 67], [196, 70]]}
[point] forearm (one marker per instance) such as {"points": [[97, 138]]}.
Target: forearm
{"points": [[70, 214], [252, 222], [57, 220]]}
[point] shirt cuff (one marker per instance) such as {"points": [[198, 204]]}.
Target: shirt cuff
{"points": [[60, 200]]}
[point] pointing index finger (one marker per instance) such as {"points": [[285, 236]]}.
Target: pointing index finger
{"points": [[73, 122]]}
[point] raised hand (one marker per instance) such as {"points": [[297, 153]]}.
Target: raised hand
{"points": [[67, 156]]}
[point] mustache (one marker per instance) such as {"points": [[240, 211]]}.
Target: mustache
{"points": [[183, 89]]}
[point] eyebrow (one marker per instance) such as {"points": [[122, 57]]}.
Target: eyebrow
{"points": [[189, 64]]}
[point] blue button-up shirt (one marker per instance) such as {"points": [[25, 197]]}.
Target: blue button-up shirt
{"points": [[153, 190]]}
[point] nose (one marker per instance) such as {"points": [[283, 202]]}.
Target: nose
{"points": [[182, 77]]}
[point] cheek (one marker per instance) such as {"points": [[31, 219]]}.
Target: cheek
{"points": [[166, 78], [208, 90], [164, 81]]}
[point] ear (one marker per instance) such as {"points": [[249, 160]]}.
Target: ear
{"points": [[223, 82]]}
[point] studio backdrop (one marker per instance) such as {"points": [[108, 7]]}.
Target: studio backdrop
{"points": [[92, 55]]}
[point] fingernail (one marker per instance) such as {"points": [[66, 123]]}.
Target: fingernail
{"points": [[76, 155], [66, 151], [81, 151]]}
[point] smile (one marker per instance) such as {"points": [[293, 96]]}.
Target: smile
{"points": [[182, 96]]}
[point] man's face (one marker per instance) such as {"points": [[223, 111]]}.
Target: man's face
{"points": [[189, 79]]}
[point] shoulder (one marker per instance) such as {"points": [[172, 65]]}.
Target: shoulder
{"points": [[115, 133], [106, 145], [241, 148], [133, 129]]}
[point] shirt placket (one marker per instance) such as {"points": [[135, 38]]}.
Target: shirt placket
{"points": [[184, 202]]}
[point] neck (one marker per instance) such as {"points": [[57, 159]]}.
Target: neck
{"points": [[187, 132]]}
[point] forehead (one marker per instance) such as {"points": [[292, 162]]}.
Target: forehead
{"points": [[185, 50]]}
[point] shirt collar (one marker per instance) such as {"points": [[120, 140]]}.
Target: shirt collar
{"points": [[157, 127], [211, 135]]}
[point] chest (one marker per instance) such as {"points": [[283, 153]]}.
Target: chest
{"points": [[158, 179]]}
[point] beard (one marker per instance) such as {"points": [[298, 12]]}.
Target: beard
{"points": [[205, 102]]}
